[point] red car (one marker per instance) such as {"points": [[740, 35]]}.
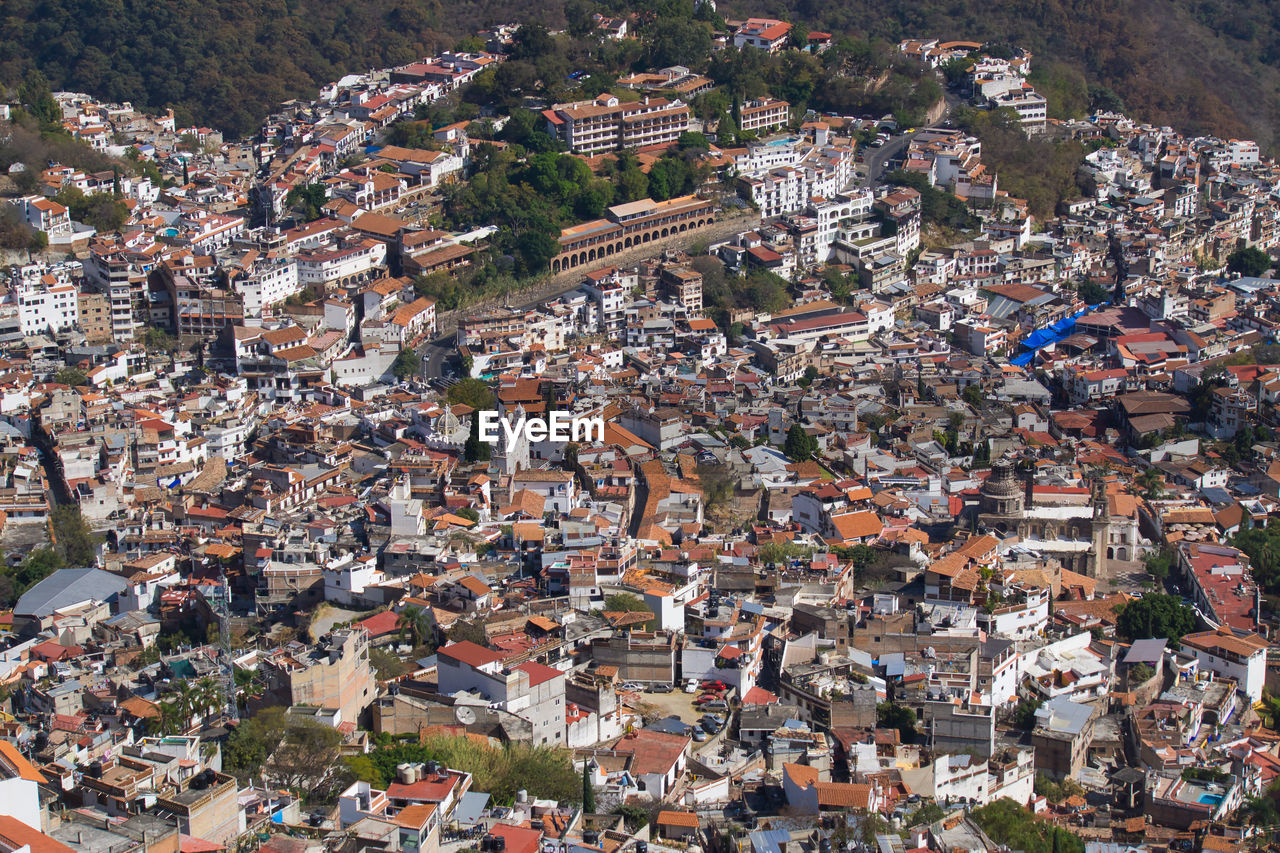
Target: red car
{"points": [[715, 685]]}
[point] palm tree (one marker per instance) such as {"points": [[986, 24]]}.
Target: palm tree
{"points": [[170, 720], [414, 622], [1152, 483], [186, 702], [208, 695]]}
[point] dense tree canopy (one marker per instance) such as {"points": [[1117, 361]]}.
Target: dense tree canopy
{"points": [[1249, 261], [1011, 825], [1155, 615], [1262, 545], [545, 772], [227, 63]]}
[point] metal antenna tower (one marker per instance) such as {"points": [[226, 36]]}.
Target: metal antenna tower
{"points": [[227, 671]]}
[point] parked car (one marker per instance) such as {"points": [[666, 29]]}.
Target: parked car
{"points": [[631, 685], [699, 735], [715, 685], [710, 727], [660, 688], [718, 705], [691, 686]]}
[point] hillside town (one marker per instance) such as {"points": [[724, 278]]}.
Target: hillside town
{"points": [[888, 514]]}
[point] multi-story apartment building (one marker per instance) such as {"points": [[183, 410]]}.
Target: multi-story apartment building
{"points": [[1031, 106], [47, 301], [532, 691], [341, 265], [763, 114], [684, 286], [606, 124], [609, 289], [762, 34], [95, 317], [45, 215], [821, 172], [267, 283], [334, 674]]}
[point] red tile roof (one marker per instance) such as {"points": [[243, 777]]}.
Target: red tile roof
{"points": [[469, 653], [538, 673], [381, 624]]}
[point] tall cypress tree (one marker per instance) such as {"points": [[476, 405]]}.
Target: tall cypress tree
{"points": [[588, 792], [475, 450]]}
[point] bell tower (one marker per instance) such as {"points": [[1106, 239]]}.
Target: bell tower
{"points": [[1101, 527]]}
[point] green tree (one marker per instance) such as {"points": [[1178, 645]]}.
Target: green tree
{"points": [[1152, 483], [306, 759], [863, 557], [588, 792], [625, 602], [1024, 715], [408, 363], [800, 446], [536, 249], [471, 392], [1155, 615], [73, 376], [545, 772], [38, 565], [385, 665], [73, 537], [474, 449], [578, 15], [416, 624], [1250, 261], [37, 97], [308, 200], [1011, 825], [1092, 292], [891, 715], [781, 552], [467, 631], [1158, 563], [635, 816]]}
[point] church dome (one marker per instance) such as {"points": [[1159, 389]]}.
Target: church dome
{"points": [[1003, 483]]}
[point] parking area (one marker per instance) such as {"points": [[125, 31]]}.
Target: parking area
{"points": [[674, 704]]}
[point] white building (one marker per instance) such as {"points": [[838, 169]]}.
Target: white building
{"points": [[1239, 656], [47, 302], [268, 284], [341, 264], [1031, 107], [45, 215]]}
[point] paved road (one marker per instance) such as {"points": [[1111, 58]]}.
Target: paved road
{"points": [[876, 158], [433, 358]]}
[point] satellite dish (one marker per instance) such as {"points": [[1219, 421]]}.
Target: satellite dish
{"points": [[465, 715]]}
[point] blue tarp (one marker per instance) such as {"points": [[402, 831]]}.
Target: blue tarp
{"points": [[1041, 338]]}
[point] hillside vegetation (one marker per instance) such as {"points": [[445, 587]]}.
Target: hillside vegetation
{"points": [[1200, 65]]}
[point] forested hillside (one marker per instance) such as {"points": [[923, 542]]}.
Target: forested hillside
{"points": [[221, 62], [1198, 64]]}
